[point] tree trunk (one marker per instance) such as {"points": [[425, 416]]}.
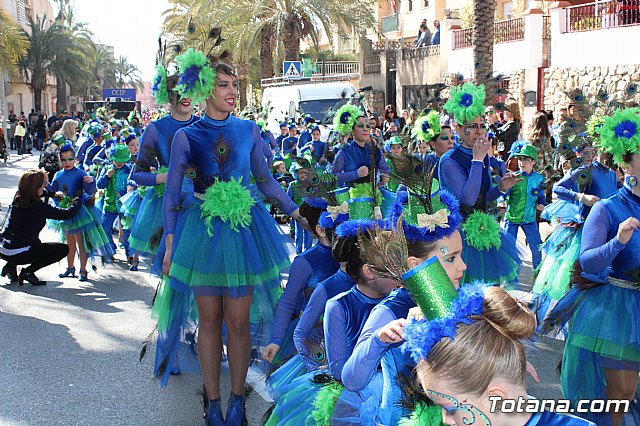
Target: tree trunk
{"points": [[243, 72], [61, 95], [37, 100], [483, 20], [291, 44], [266, 53]]}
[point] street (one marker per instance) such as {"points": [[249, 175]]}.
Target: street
{"points": [[71, 350]]}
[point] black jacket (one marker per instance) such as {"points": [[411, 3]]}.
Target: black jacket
{"points": [[24, 224]]}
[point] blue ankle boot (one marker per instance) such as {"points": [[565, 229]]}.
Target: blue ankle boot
{"points": [[213, 416], [235, 411]]}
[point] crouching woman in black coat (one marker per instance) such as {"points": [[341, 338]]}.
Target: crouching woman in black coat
{"points": [[19, 242]]}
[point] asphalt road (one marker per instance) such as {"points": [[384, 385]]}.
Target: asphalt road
{"points": [[69, 350]]}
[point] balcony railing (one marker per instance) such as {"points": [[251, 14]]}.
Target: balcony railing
{"points": [[332, 68], [389, 23], [595, 16], [421, 52], [503, 32]]}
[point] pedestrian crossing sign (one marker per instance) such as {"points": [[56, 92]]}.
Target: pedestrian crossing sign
{"points": [[292, 69]]}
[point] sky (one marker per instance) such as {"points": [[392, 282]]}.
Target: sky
{"points": [[132, 27]]}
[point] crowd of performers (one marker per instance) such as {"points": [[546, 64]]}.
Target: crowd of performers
{"points": [[396, 310]]}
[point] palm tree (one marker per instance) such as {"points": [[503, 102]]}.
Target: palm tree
{"points": [[127, 74], [13, 44], [483, 20], [103, 69]]}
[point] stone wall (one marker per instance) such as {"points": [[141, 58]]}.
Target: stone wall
{"points": [[375, 101], [614, 79]]}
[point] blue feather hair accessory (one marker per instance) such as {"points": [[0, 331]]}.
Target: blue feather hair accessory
{"points": [[328, 222], [422, 335], [317, 202], [352, 228], [67, 146]]}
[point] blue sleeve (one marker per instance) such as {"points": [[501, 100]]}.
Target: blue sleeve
{"points": [[542, 196], [130, 180], [365, 359], [89, 188], [53, 185], [180, 156], [566, 187], [337, 168], [307, 322], [268, 154], [272, 140], [103, 180], [290, 301], [269, 186], [596, 253], [148, 143], [82, 150], [99, 158], [454, 180], [335, 337]]}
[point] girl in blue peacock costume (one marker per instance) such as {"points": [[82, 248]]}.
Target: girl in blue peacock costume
{"points": [[467, 343], [318, 397], [601, 359], [221, 245], [308, 269], [431, 232], [83, 233], [150, 170], [577, 192], [491, 254]]}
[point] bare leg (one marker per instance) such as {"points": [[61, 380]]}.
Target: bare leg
{"points": [[82, 252], [210, 342], [621, 384], [236, 318], [71, 243]]}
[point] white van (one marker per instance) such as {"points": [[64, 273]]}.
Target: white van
{"points": [[295, 99]]}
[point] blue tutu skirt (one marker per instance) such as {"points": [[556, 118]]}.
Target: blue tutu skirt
{"points": [[131, 202], [495, 265], [562, 211], [604, 333], [553, 279], [88, 224], [305, 402], [284, 375], [146, 230]]}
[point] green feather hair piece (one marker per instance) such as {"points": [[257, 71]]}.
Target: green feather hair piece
{"points": [[620, 134], [482, 231], [427, 126], [363, 190], [346, 118], [230, 201], [466, 102], [262, 125], [197, 78], [65, 202], [594, 126], [158, 190], [160, 86], [325, 402], [423, 415]]}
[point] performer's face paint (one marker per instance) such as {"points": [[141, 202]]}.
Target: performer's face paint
{"points": [[458, 411], [472, 131], [444, 142], [448, 250], [362, 130]]}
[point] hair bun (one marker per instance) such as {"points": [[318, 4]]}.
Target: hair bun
{"points": [[343, 247], [512, 317]]}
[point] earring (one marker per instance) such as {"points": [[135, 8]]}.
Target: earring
{"points": [[632, 180]]}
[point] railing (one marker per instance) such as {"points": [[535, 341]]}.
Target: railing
{"points": [[462, 38], [389, 23], [421, 52], [595, 16], [331, 68], [546, 27], [509, 30], [372, 64], [503, 32]]}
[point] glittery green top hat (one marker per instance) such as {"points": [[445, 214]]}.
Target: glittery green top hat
{"points": [[120, 154], [431, 288]]}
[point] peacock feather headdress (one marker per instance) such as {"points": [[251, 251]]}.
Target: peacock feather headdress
{"points": [[427, 126], [346, 118], [620, 134], [466, 102], [196, 77]]}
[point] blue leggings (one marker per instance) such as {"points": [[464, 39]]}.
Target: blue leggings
{"points": [[533, 238], [108, 219]]}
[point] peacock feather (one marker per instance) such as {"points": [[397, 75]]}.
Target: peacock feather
{"points": [[415, 173], [386, 251]]}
